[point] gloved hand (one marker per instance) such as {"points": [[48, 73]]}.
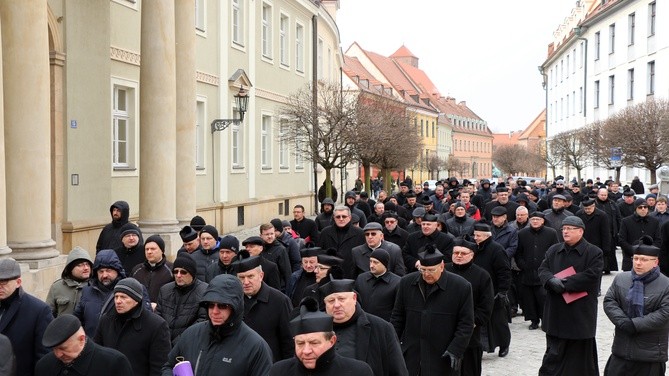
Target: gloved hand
{"points": [[503, 297], [555, 285], [456, 362], [627, 326]]}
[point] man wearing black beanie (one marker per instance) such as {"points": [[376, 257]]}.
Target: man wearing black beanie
{"points": [[155, 271]]}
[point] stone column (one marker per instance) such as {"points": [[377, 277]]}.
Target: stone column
{"points": [[186, 111], [25, 67], [157, 165], [4, 249]]}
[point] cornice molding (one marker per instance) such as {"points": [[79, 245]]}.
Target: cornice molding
{"points": [[124, 56]]}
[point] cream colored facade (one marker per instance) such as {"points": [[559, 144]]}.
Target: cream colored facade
{"points": [[115, 102]]}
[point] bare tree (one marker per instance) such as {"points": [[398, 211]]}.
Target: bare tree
{"points": [[384, 135], [642, 131], [434, 165], [570, 147], [453, 165], [510, 159], [599, 143], [324, 132]]}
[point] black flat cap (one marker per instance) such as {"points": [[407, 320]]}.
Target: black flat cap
{"points": [[248, 263], [431, 256], [310, 319], [60, 330]]}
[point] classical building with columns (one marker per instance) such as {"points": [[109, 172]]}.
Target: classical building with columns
{"points": [[114, 100]]}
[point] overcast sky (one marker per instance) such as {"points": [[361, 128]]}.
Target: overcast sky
{"points": [[485, 52]]}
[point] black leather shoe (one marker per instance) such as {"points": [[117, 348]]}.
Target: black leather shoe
{"points": [[534, 325], [503, 352]]}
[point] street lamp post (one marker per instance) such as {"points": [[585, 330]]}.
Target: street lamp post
{"points": [[242, 102]]}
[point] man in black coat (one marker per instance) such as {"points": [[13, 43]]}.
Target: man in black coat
{"points": [[635, 226], [533, 242], [254, 247], [597, 227], [392, 231], [179, 301], [142, 336], [483, 295], [570, 328], [374, 240], [276, 253], [306, 228], [342, 236], [626, 206], [611, 209], [314, 348], [362, 336], [377, 287], [74, 354], [110, 236], [492, 258], [433, 317], [23, 318], [428, 235], [503, 201], [304, 277], [266, 309], [131, 251]]}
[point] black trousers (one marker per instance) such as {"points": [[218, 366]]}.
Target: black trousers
{"points": [[617, 366], [471, 362], [566, 357], [534, 298]]}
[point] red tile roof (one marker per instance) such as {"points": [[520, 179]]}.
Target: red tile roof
{"points": [[403, 52]]}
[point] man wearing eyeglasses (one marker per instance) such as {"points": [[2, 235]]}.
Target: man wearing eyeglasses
{"points": [[343, 237], [433, 317], [637, 303], [373, 241], [571, 325], [633, 227], [224, 344], [179, 301]]}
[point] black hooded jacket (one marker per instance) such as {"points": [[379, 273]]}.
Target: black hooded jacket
{"points": [[229, 349], [110, 237]]}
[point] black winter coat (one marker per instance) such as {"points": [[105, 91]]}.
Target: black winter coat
{"points": [[649, 342], [203, 260], [577, 320], [343, 240], [398, 236], [510, 207], [417, 241], [597, 228], [376, 344], [93, 360], [632, 229], [491, 257], [611, 209], [460, 226], [110, 236], [482, 293], [231, 349], [278, 254], [328, 364], [362, 253], [268, 314], [532, 247], [377, 295], [153, 277], [142, 336], [130, 257], [429, 324], [24, 321], [180, 306]]}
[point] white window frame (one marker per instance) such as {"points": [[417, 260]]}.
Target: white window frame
{"points": [[598, 44], [284, 40], [201, 16], [284, 153], [651, 78], [299, 47], [652, 18], [612, 38], [299, 158], [631, 28], [266, 30], [630, 84], [266, 141], [200, 131], [596, 94], [237, 144], [129, 166], [612, 87], [237, 22]]}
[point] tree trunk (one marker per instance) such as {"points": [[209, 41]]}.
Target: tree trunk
{"points": [[368, 178], [328, 183], [618, 173]]}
